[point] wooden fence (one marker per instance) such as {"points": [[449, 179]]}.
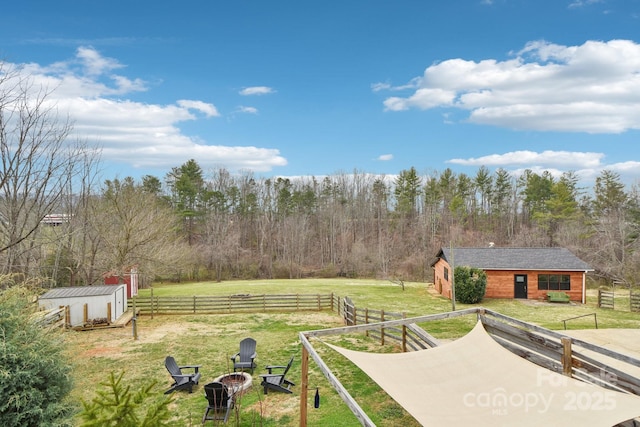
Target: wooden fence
{"points": [[560, 353], [634, 301], [409, 337], [552, 350], [606, 299], [55, 318], [232, 303]]}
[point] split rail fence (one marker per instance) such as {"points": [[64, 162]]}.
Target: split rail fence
{"points": [[606, 299], [408, 336], [232, 303]]}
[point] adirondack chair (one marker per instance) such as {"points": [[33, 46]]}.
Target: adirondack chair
{"points": [[181, 381], [220, 402], [245, 358], [277, 382]]}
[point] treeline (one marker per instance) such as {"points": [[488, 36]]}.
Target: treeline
{"points": [[197, 225], [61, 225]]}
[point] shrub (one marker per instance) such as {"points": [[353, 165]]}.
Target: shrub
{"points": [[117, 405], [470, 284], [34, 377]]}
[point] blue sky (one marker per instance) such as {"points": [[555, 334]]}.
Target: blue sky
{"points": [[290, 88]]}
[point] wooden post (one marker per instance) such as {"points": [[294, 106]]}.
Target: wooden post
{"points": [[366, 320], [109, 313], [381, 328], [404, 338], [134, 312], [453, 279], [566, 356], [304, 387], [404, 334], [67, 316], [85, 313], [134, 320]]}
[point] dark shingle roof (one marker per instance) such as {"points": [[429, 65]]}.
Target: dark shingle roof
{"points": [[79, 291], [493, 258]]}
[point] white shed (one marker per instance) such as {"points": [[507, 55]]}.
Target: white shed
{"points": [[88, 303]]}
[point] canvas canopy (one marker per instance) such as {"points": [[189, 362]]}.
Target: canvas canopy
{"points": [[474, 381]]}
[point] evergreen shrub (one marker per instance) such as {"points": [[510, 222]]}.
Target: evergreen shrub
{"points": [[470, 284]]}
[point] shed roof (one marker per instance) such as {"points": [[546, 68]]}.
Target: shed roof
{"points": [[493, 258], [79, 291]]}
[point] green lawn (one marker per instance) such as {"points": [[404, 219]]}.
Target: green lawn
{"points": [[210, 340]]}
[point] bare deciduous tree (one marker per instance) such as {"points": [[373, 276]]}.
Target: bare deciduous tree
{"points": [[38, 162]]}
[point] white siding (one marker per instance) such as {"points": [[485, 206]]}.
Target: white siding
{"points": [[96, 304]]}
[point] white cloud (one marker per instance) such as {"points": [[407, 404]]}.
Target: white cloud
{"points": [[565, 159], [385, 157], [581, 3], [94, 63], [208, 109], [247, 110], [586, 165], [135, 133], [594, 88], [256, 90], [413, 84]]}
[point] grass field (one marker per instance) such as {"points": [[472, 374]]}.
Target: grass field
{"points": [[210, 340]]}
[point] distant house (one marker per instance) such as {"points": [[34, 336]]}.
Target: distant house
{"points": [[88, 304], [56, 219], [527, 273]]}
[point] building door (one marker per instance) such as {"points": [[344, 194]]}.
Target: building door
{"points": [[520, 290]]}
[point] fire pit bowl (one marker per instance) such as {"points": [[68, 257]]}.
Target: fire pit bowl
{"points": [[236, 382]]}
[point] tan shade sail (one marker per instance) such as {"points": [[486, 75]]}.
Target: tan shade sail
{"points": [[474, 381]]}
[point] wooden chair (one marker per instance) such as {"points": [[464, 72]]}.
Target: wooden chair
{"points": [[245, 358], [277, 382], [220, 402], [181, 381]]}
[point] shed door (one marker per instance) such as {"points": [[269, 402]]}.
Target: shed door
{"points": [[520, 286]]}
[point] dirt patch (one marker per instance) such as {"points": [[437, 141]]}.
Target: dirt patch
{"points": [[103, 352]]}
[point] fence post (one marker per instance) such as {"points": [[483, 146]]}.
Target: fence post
{"points": [[381, 328], [404, 334], [366, 320], [566, 356], [109, 313], [134, 313], [304, 386], [194, 304], [85, 313], [134, 320]]}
